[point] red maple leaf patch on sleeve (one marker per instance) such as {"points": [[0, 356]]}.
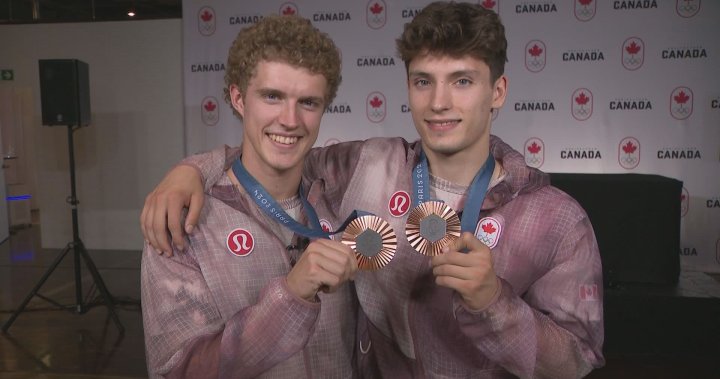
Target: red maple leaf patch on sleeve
{"points": [[489, 228]]}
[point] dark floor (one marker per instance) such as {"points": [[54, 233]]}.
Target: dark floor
{"points": [[47, 343]]}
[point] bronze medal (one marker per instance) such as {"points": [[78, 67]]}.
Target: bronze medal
{"points": [[373, 240], [431, 226]]}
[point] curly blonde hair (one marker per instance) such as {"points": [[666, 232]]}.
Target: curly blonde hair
{"points": [[289, 39]]}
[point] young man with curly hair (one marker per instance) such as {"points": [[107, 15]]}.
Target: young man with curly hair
{"points": [[242, 301]]}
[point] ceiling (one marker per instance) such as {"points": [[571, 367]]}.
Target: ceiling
{"points": [[47, 11]]}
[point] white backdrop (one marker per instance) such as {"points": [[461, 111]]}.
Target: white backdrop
{"points": [[594, 86]]}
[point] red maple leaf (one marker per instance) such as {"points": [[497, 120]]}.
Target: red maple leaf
{"points": [[681, 98], [210, 106], [325, 228], [489, 228], [534, 148], [376, 102], [633, 48], [376, 8], [288, 11], [582, 99], [535, 51], [682, 197], [629, 148], [585, 2], [206, 16], [489, 4]]}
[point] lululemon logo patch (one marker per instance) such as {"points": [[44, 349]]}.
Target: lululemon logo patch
{"points": [[240, 242], [488, 231], [399, 203]]}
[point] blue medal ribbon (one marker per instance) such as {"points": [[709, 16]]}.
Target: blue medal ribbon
{"points": [[270, 206], [475, 197]]}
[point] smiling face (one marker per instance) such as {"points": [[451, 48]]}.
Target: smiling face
{"points": [[451, 101], [281, 110]]}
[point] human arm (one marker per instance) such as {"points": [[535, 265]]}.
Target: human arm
{"points": [[182, 187], [548, 331]]}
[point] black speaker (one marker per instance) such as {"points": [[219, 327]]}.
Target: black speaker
{"points": [[64, 92], [636, 218]]}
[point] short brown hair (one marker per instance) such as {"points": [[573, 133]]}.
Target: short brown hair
{"points": [[289, 39], [456, 30]]}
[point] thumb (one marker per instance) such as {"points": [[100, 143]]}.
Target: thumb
{"points": [[466, 243]]}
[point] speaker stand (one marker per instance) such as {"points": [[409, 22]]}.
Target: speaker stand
{"points": [[79, 251]]}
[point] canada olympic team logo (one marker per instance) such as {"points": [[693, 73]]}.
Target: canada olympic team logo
{"points": [[288, 9], [633, 53], [581, 104], [376, 14], [681, 103], [399, 203], [376, 107], [585, 9], [535, 55], [488, 231], [206, 21], [326, 226], [534, 152], [629, 153], [687, 8], [209, 111], [240, 242]]}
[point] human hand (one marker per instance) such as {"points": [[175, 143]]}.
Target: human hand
{"points": [[323, 266], [471, 274], [180, 188]]}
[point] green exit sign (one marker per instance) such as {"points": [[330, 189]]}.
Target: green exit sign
{"points": [[7, 75]]}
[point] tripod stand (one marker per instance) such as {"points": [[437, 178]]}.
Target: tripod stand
{"points": [[79, 251]]}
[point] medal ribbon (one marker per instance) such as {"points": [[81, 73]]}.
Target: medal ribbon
{"points": [[476, 195], [271, 207]]}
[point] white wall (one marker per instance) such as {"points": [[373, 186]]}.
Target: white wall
{"points": [[137, 125]]}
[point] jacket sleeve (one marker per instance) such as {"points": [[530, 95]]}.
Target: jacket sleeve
{"points": [[555, 330], [334, 164], [212, 165], [187, 337]]}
